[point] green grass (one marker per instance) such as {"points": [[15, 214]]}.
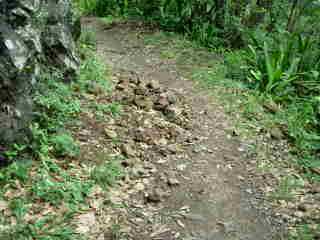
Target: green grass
{"points": [[109, 20]]}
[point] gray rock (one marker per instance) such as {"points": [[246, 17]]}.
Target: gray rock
{"points": [[32, 32]]}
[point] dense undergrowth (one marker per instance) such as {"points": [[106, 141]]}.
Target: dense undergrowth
{"points": [[42, 192]]}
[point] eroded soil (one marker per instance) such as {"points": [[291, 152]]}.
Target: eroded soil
{"points": [[186, 177]]}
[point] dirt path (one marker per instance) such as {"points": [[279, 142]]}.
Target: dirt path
{"points": [[193, 180]]}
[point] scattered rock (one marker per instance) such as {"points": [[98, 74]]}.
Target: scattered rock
{"points": [[137, 172], [144, 102], [172, 98], [173, 182], [228, 227], [85, 222], [315, 188], [162, 102], [128, 151], [141, 90], [130, 162], [156, 195], [181, 167], [139, 187], [194, 217], [154, 84], [276, 133], [271, 106], [173, 148], [110, 133], [172, 112]]}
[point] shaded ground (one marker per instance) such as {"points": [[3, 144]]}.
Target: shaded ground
{"points": [[186, 177]]}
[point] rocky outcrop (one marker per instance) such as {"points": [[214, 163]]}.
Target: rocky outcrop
{"points": [[33, 34]]}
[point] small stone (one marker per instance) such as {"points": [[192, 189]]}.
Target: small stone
{"points": [[139, 187], [141, 90], [298, 214], [110, 133], [154, 196], [172, 112], [271, 106], [228, 227], [249, 191], [153, 84], [241, 178], [173, 182], [276, 133], [172, 98], [127, 150], [161, 142], [198, 149], [85, 222], [122, 86], [315, 188], [303, 207], [162, 102], [137, 171], [172, 148], [194, 217], [130, 162], [144, 103], [181, 167]]}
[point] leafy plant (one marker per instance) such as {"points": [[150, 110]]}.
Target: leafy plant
{"points": [[55, 185], [18, 208], [92, 76], [64, 145], [107, 173], [55, 102], [15, 171]]}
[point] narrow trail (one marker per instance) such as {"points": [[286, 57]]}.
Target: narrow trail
{"points": [[198, 189]]}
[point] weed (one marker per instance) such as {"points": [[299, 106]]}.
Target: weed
{"points": [[304, 232], [18, 208], [107, 173], [55, 185], [15, 151], [110, 19], [116, 231], [55, 103], [88, 37], [64, 145], [93, 76], [168, 54], [287, 187], [49, 227], [16, 171]]}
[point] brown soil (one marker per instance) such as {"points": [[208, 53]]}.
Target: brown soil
{"points": [[186, 177]]}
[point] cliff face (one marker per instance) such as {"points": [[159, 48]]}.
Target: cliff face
{"points": [[33, 34]]}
